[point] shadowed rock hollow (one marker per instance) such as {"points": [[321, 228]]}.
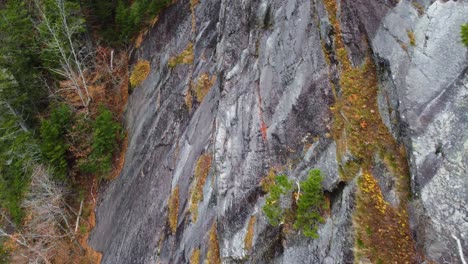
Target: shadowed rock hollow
{"points": [[274, 71]]}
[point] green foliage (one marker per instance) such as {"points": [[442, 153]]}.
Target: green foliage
{"points": [[309, 204], [464, 34], [54, 30], [53, 144], [20, 62], [18, 150], [129, 18], [105, 141], [118, 21], [272, 208]]}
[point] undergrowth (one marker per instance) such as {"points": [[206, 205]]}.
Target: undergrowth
{"points": [[381, 229]]}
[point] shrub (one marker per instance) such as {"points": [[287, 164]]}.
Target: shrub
{"points": [[140, 72], [310, 202], [464, 34], [105, 141], [272, 208], [53, 145]]}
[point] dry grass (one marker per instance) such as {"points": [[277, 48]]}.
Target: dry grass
{"points": [[248, 241], [140, 72], [202, 170], [381, 230], [173, 209], [213, 256], [195, 258], [186, 57]]}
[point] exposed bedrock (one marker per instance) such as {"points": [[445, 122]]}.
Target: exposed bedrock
{"points": [[269, 108]]}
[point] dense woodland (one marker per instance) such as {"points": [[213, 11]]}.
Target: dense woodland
{"points": [[63, 77]]}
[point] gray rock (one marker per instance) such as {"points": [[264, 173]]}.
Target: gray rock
{"points": [[270, 108]]}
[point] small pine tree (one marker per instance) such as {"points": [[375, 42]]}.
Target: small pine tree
{"points": [[309, 204], [272, 208], [464, 34]]}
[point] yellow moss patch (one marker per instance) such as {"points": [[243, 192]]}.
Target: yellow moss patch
{"points": [[248, 241], [195, 258], [213, 256], [186, 57], [412, 38], [173, 209], [140, 72], [204, 85], [201, 173]]}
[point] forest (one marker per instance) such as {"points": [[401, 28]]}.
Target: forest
{"points": [[63, 87]]}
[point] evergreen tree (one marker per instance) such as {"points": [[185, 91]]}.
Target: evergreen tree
{"points": [[309, 204]]}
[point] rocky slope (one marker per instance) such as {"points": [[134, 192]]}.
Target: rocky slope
{"points": [[283, 78]]}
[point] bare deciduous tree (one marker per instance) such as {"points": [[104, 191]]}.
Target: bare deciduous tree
{"points": [[60, 39], [47, 221]]}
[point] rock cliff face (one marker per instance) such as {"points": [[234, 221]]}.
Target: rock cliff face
{"points": [[275, 72]]}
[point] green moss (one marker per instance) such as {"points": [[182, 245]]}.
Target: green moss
{"points": [[464, 34]]}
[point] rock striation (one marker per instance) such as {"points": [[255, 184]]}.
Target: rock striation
{"points": [[255, 92]]}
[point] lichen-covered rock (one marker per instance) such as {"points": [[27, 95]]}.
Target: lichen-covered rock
{"points": [[268, 109]]}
